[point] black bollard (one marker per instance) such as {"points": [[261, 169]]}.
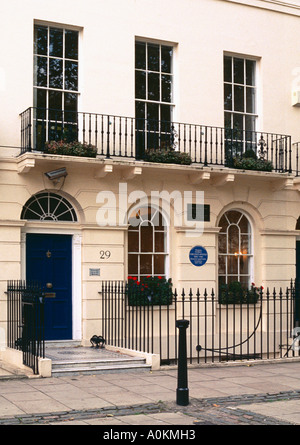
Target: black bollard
{"points": [[182, 395]]}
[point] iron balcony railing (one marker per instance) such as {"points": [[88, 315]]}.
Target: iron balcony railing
{"points": [[128, 137]]}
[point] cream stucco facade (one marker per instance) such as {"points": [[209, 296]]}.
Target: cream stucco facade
{"points": [[200, 33]]}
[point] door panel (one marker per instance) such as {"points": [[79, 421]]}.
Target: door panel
{"points": [[49, 261]]}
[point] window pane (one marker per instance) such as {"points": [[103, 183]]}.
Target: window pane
{"points": [[250, 127], [146, 264], [227, 69], [166, 85], [238, 124], [71, 45], [133, 264], [40, 101], [140, 85], [250, 72], [238, 71], [238, 98], [133, 241], [55, 73], [223, 243], [245, 281], [159, 264], [55, 132], [244, 268], [232, 264], [140, 113], [71, 75], [165, 111], [40, 135], [55, 105], [40, 40], [233, 240], [222, 264], [228, 120], [40, 71], [140, 55], [152, 116], [153, 57], [250, 100], [70, 107], [234, 216], [153, 86], [245, 244], [166, 59], [56, 42], [147, 238], [227, 97], [159, 241]]}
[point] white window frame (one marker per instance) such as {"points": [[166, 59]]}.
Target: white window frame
{"points": [[165, 253], [47, 88], [249, 255], [159, 102], [255, 114]]}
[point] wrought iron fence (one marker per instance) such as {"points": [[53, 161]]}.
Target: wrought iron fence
{"points": [[128, 137], [261, 328], [25, 321]]}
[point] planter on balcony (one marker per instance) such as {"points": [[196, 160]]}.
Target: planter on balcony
{"points": [[249, 161], [167, 157], [236, 293], [70, 149], [149, 291]]}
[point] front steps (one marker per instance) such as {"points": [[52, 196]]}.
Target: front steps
{"points": [[69, 358]]}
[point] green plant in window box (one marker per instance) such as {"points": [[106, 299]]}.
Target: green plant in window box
{"points": [[167, 156], [249, 161], [149, 291], [73, 148], [236, 293]]}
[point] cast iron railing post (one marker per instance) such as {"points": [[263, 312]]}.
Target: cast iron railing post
{"points": [[182, 395]]}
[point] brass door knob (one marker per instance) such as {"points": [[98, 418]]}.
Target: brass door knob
{"points": [[49, 285]]}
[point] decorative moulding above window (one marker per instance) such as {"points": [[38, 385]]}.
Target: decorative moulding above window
{"points": [[290, 7]]}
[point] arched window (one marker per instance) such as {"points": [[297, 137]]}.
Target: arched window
{"points": [[235, 249], [47, 206], [147, 243]]}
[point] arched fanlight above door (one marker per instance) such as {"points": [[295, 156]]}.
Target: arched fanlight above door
{"points": [[48, 206]]}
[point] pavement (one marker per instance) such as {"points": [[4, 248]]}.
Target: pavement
{"points": [[258, 393]]}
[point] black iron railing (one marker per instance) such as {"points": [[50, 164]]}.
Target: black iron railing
{"points": [[261, 328], [128, 137], [25, 321]]}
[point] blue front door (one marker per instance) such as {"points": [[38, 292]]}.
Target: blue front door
{"points": [[49, 261]]}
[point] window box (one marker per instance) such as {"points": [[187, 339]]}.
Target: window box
{"points": [[167, 157], [70, 148], [235, 293], [252, 164], [150, 291]]}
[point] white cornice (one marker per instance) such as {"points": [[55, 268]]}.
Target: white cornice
{"points": [[292, 8]]}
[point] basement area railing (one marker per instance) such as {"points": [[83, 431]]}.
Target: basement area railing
{"points": [[25, 321], [255, 327], [127, 137]]}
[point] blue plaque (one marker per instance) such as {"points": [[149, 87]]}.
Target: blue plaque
{"points": [[198, 256]]}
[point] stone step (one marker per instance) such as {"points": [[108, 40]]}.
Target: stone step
{"points": [[49, 344], [69, 357], [95, 363], [81, 370]]}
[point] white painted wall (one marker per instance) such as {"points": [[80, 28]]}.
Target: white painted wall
{"points": [[200, 30]]}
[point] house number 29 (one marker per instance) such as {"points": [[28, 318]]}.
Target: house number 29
{"points": [[105, 254]]}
